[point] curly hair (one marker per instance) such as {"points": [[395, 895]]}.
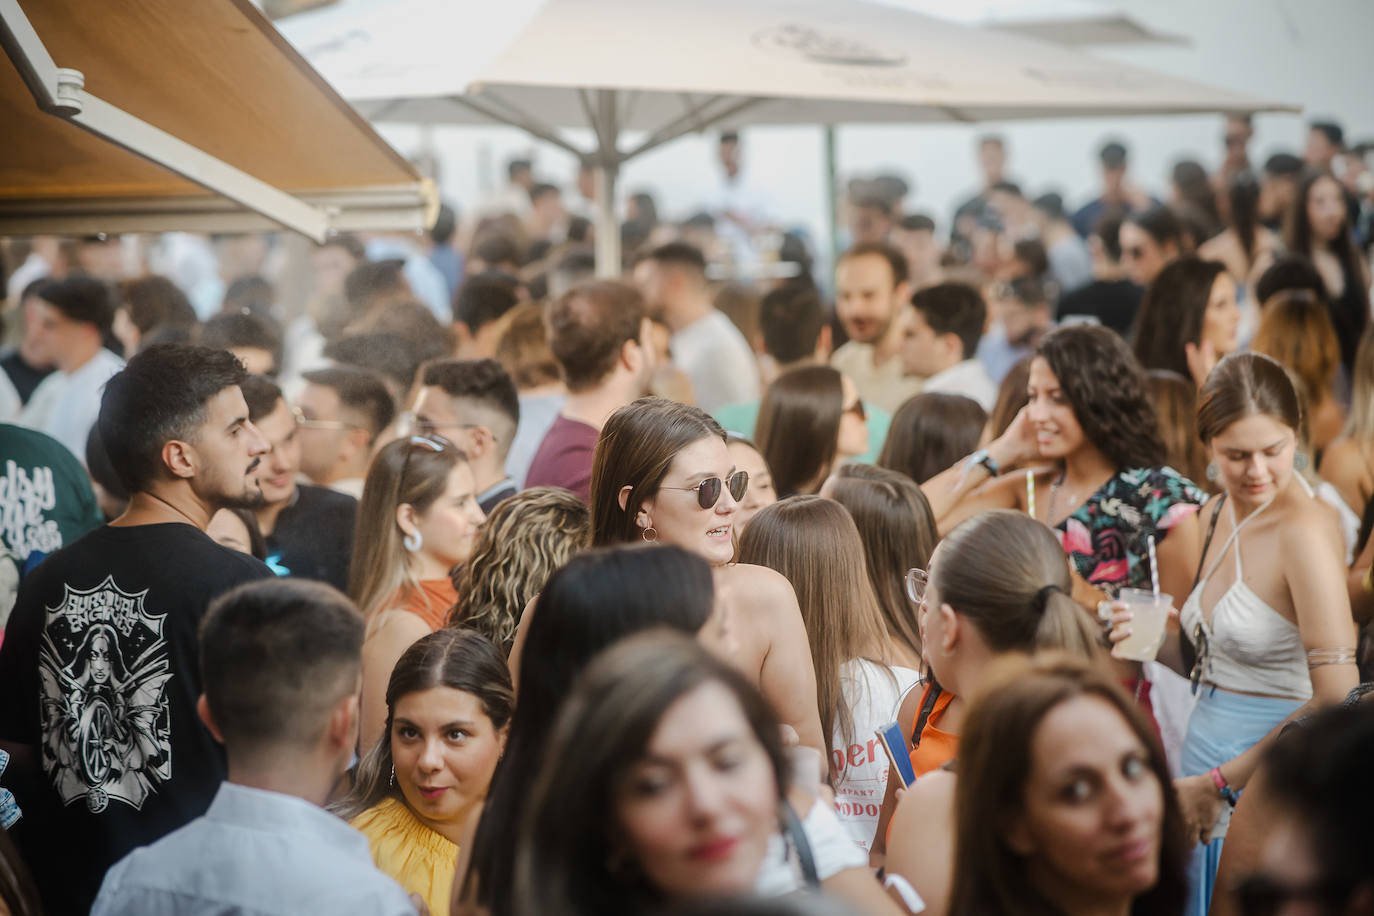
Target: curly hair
{"points": [[524, 541], [1105, 386]]}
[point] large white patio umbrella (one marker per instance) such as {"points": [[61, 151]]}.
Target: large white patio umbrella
{"points": [[664, 68]]}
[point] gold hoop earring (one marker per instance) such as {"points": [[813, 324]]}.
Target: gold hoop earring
{"points": [[647, 532]]}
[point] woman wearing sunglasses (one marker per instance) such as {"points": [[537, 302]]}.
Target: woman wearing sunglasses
{"points": [[663, 473], [997, 585], [416, 521], [810, 421], [1269, 616]]}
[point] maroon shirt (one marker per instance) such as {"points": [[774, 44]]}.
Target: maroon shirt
{"points": [[564, 458]]}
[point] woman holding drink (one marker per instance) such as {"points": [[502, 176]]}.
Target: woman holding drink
{"points": [[1269, 616], [1090, 437]]}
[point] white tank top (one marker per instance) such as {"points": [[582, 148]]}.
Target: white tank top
{"points": [[1251, 648]]}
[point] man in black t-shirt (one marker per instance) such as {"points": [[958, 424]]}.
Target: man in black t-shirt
{"points": [[98, 669], [1111, 299], [308, 529]]}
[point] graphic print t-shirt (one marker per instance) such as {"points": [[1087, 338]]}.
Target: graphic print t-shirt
{"points": [[100, 676], [46, 501]]}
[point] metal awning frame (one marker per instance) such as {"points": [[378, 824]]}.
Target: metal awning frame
{"points": [[602, 108], [59, 91]]}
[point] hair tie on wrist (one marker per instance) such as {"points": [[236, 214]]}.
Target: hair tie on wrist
{"points": [[1042, 597]]}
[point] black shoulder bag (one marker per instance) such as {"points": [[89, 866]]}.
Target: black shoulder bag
{"points": [[1186, 647]]}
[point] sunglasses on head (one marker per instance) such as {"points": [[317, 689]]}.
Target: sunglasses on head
{"points": [[709, 490], [429, 443]]}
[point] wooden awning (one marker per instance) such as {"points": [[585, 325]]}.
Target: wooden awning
{"points": [[153, 115]]}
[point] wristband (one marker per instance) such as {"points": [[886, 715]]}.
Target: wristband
{"points": [[989, 464], [1223, 787]]}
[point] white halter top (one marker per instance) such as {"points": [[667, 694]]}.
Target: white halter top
{"points": [[1251, 648]]}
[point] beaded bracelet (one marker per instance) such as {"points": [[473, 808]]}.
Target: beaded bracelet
{"points": [[1223, 787]]}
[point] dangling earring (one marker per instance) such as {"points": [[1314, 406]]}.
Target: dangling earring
{"points": [[649, 534], [1213, 472], [393, 774], [1300, 461], [414, 541]]}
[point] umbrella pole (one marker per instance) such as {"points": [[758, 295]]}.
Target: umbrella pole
{"points": [[606, 123], [607, 226], [832, 194]]}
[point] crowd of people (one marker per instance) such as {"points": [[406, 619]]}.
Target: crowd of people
{"points": [[1024, 568]]}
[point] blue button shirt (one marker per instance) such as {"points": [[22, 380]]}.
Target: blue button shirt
{"points": [[254, 852]]}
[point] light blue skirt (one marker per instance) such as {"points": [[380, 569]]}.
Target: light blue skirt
{"points": [[1222, 726]]}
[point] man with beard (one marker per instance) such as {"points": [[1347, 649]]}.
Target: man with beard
{"points": [[100, 772], [308, 530], [870, 289]]}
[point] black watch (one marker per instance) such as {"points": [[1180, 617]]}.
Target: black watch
{"points": [[982, 457]]}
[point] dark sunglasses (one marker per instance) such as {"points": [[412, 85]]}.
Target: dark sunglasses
{"points": [[708, 491], [857, 409], [1262, 896]]}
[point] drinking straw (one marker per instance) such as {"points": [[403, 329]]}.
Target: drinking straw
{"points": [[1154, 564], [1030, 493]]}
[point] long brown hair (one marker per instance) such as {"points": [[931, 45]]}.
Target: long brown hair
{"points": [[994, 760], [1105, 386], [813, 542], [1245, 385], [1011, 397], [1172, 311], [568, 835], [1175, 400], [932, 431], [799, 426], [991, 570], [898, 532], [636, 448], [404, 471], [458, 659], [1359, 424], [1299, 238], [524, 541]]}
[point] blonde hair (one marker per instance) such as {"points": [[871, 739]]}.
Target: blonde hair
{"points": [[405, 471], [524, 350], [1359, 423], [525, 540], [1296, 330]]}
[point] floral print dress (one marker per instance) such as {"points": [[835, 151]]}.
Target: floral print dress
{"points": [[1105, 537]]}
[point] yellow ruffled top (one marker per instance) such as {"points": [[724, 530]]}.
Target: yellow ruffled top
{"points": [[419, 860]]}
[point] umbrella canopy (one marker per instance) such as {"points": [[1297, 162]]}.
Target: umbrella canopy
{"points": [[666, 68], [120, 117]]}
